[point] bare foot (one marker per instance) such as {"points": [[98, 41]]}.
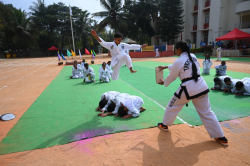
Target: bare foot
{"points": [[142, 109], [133, 71]]}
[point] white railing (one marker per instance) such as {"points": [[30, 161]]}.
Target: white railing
{"points": [[239, 1], [244, 25]]}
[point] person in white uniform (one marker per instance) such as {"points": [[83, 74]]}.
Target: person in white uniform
{"points": [[106, 98], [219, 83], [241, 88], [193, 88], [108, 66], [221, 69], [157, 52], [229, 84], [207, 63], [218, 53], [118, 55], [113, 105], [104, 75], [131, 107], [88, 73], [82, 64], [76, 72]]}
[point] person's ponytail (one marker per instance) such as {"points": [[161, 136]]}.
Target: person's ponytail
{"points": [[194, 68]]}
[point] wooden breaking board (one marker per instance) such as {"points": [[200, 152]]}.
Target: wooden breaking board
{"points": [[158, 74]]}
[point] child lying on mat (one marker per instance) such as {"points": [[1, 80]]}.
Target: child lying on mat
{"points": [[242, 87], [113, 105], [131, 106], [105, 98]]}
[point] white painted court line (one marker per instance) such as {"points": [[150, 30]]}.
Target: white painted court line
{"points": [[26, 75], [156, 103]]}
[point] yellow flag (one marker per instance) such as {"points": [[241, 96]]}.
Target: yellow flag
{"points": [[91, 52], [72, 52]]}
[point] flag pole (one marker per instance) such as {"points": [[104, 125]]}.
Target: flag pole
{"points": [[70, 12]]}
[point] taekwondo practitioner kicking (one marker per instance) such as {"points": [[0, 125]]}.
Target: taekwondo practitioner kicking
{"points": [[106, 98], [221, 69], [219, 83], [193, 88], [118, 55], [207, 63], [104, 75], [242, 87], [113, 105], [76, 72], [88, 73]]}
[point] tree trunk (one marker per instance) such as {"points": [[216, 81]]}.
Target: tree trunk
{"points": [[143, 39]]}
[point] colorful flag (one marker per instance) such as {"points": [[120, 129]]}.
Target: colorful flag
{"points": [[87, 52], [59, 58], [94, 53], [63, 57], [80, 54], [72, 52], [68, 53]]}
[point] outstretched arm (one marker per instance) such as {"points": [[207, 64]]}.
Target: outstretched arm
{"points": [[93, 32]]}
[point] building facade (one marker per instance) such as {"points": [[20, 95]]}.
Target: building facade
{"points": [[206, 20]]}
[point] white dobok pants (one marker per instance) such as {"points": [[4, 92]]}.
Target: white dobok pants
{"points": [[125, 59], [157, 54], [89, 78], [203, 108]]}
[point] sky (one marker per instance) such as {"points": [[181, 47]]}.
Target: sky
{"points": [[91, 5]]}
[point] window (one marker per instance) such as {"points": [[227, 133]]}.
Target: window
{"points": [[195, 2], [207, 17], [195, 20], [194, 39], [206, 38]]}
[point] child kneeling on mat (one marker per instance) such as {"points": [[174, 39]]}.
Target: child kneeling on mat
{"points": [[88, 73]]}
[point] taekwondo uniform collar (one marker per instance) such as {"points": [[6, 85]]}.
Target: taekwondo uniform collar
{"points": [[184, 54]]}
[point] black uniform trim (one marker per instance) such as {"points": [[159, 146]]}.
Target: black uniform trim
{"points": [[183, 88], [188, 79]]}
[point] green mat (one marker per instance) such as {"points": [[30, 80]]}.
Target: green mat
{"points": [[242, 59], [225, 105], [65, 112]]}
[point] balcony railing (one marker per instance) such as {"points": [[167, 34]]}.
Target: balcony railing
{"points": [[207, 4], [243, 25], [195, 7], [206, 25], [195, 28], [239, 1]]}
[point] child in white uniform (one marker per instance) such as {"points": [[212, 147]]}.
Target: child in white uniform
{"points": [[82, 64], [108, 66], [218, 54], [241, 88], [76, 72], [104, 75], [88, 73], [131, 107], [118, 54], [207, 63], [193, 88], [229, 84], [157, 52], [221, 69], [106, 98], [113, 105], [219, 83]]}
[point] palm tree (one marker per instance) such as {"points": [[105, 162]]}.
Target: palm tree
{"points": [[113, 16], [145, 11]]}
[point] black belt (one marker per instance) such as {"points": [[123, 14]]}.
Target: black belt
{"points": [[188, 79]]}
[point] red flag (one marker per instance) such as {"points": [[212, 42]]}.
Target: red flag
{"points": [[87, 52]]}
